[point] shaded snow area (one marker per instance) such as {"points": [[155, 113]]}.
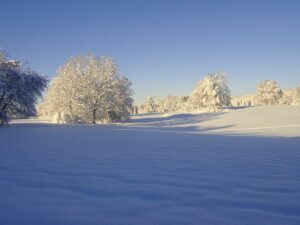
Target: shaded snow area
{"points": [[236, 167], [267, 120]]}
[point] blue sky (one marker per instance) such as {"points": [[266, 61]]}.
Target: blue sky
{"points": [[163, 47]]}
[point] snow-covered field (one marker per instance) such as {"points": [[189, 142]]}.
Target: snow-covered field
{"points": [[235, 167]]}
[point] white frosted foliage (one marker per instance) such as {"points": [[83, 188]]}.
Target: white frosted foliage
{"points": [[210, 93], [88, 89], [268, 93]]}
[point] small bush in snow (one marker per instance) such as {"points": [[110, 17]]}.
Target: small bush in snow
{"points": [[268, 93]]}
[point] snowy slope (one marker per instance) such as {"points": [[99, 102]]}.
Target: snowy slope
{"points": [[157, 169]]}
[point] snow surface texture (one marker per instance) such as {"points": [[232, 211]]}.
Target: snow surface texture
{"points": [[157, 169]]}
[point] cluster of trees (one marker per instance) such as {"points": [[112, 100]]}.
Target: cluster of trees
{"points": [[88, 89], [268, 92], [291, 97], [211, 93], [20, 89], [163, 104]]}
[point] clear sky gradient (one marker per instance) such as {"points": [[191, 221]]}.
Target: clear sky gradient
{"points": [[163, 47]]}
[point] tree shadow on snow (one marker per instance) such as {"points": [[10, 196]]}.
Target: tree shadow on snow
{"points": [[178, 123], [178, 119]]}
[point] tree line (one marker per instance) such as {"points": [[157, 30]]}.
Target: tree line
{"points": [[90, 89], [212, 94]]}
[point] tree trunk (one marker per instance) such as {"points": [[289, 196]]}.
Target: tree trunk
{"points": [[3, 116], [94, 116]]}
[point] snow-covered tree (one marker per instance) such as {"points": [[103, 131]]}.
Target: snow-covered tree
{"points": [[88, 89], [296, 98], [172, 103], [210, 93], [150, 105], [286, 99], [268, 93], [20, 88], [155, 104]]}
